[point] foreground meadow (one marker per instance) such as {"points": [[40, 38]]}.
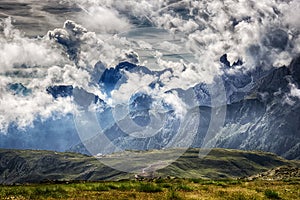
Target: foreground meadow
{"points": [[158, 189]]}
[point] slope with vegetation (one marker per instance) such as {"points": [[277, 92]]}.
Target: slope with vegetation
{"points": [[29, 166]]}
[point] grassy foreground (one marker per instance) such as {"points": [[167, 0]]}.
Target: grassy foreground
{"points": [[158, 189]]}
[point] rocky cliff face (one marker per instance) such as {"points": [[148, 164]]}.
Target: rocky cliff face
{"points": [[268, 119], [261, 114]]}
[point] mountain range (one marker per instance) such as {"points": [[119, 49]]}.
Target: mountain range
{"points": [[259, 98], [257, 118], [261, 114]]}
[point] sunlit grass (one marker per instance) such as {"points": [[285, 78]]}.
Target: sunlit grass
{"points": [[158, 189]]}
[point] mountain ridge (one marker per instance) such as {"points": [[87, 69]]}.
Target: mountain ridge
{"points": [[33, 166]]}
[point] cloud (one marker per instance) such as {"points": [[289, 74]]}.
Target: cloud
{"points": [[244, 30], [136, 82], [291, 14], [23, 111], [27, 60], [104, 20], [36, 63], [295, 92], [65, 56], [171, 46], [17, 50], [210, 29]]}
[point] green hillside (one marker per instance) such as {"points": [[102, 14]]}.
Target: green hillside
{"points": [[30, 166]]}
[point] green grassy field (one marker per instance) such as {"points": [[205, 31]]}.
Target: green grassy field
{"points": [[158, 189], [222, 174], [29, 166]]}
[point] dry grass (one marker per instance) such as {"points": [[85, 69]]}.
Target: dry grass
{"points": [[158, 189]]}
